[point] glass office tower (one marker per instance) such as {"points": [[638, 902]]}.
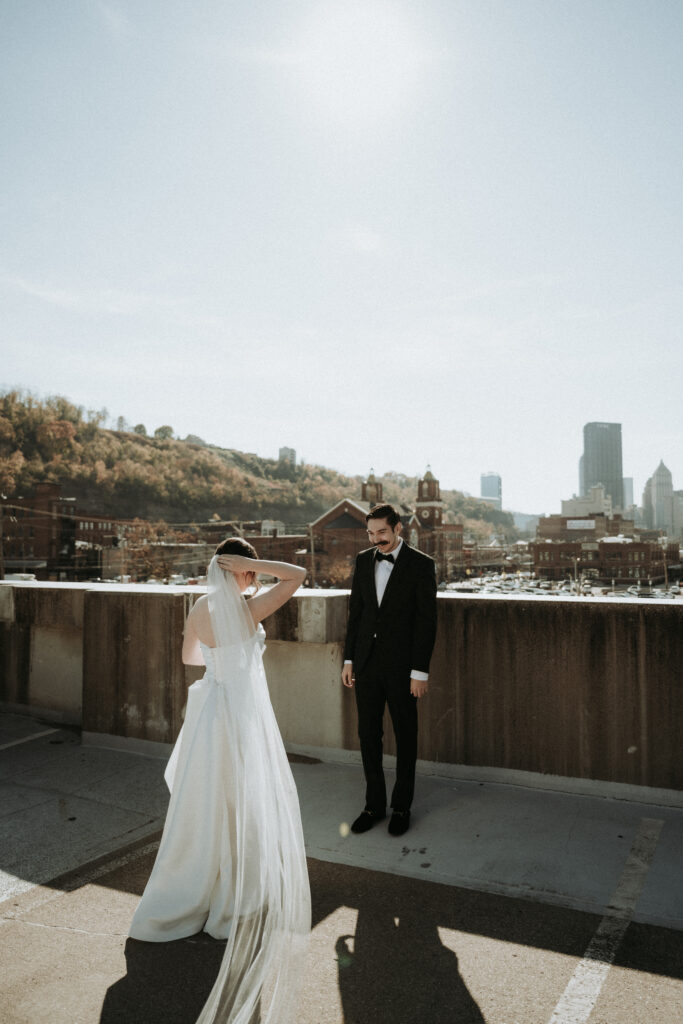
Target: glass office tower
{"points": [[492, 489], [602, 462]]}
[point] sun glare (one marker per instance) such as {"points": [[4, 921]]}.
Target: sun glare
{"points": [[358, 61]]}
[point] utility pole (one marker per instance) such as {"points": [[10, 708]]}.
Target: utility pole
{"points": [[2, 553], [312, 556]]}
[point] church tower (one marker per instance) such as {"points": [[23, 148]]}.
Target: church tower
{"points": [[372, 490], [429, 506]]}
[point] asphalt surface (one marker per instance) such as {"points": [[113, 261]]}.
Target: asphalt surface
{"points": [[502, 904]]}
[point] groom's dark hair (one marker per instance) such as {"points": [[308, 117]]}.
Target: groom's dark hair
{"points": [[236, 546], [387, 512]]}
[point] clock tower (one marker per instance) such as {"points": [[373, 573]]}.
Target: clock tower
{"points": [[372, 490], [429, 506]]}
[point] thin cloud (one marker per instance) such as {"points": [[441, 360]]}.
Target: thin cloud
{"points": [[115, 21], [500, 287], [359, 238], [111, 301], [117, 302]]}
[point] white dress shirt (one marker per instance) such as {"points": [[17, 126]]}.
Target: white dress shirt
{"points": [[383, 570]]}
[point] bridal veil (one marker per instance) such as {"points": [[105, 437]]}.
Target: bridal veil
{"points": [[262, 967]]}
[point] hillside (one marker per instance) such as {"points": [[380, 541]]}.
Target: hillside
{"points": [[124, 473]]}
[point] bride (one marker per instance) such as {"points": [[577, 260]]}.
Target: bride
{"points": [[231, 860]]}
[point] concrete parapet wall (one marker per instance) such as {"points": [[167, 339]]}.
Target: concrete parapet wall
{"points": [[134, 681], [586, 689], [41, 649], [580, 688]]}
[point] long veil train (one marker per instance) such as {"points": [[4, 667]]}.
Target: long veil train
{"points": [[263, 846]]}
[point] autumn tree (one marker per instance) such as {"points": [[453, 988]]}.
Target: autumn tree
{"points": [[10, 471], [7, 432], [55, 436]]}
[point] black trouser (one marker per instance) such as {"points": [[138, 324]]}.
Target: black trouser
{"points": [[375, 688]]}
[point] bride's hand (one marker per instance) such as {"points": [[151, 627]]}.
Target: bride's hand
{"points": [[236, 563]]}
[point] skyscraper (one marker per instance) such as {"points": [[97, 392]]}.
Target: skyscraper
{"points": [[648, 511], [602, 460], [662, 499], [492, 489]]}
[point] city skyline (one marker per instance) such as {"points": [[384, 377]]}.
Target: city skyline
{"points": [[382, 233]]}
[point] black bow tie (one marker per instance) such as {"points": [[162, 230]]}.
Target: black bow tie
{"points": [[384, 558]]}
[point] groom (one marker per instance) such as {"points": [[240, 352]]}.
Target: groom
{"points": [[389, 641]]}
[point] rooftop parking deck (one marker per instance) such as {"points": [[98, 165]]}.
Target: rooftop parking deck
{"points": [[540, 882], [503, 903]]}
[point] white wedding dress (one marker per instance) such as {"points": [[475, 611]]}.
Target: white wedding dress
{"points": [[231, 860]]}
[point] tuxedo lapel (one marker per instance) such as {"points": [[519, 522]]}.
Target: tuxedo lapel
{"points": [[370, 581]]}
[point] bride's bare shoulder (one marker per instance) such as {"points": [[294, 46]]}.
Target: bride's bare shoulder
{"points": [[199, 622], [200, 608]]}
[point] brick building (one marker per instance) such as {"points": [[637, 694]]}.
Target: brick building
{"points": [[610, 558], [584, 528], [49, 536], [45, 534], [589, 540], [341, 532], [267, 536], [432, 530], [328, 547]]}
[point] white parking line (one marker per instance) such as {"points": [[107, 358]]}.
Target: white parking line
{"points": [[27, 739], [580, 996]]}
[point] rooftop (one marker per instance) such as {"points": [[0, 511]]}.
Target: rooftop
{"points": [[502, 903]]}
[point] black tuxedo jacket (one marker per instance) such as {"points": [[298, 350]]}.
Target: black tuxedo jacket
{"points": [[404, 625]]}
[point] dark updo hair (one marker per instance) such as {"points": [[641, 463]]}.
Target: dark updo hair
{"points": [[239, 546], [236, 546]]}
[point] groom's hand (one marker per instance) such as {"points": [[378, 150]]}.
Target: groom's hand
{"points": [[418, 687], [347, 674]]}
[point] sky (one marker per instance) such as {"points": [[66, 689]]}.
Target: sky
{"points": [[385, 233]]}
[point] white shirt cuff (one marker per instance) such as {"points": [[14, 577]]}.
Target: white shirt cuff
{"points": [[423, 677]]}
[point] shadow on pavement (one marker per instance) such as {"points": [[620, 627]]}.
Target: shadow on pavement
{"points": [[165, 982], [396, 969], [395, 966]]}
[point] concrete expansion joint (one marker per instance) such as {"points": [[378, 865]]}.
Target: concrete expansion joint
{"points": [[72, 931], [63, 800]]}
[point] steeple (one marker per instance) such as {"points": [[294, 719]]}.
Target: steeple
{"points": [[428, 487], [429, 505], [372, 490]]}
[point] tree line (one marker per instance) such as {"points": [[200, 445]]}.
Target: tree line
{"points": [[126, 473]]}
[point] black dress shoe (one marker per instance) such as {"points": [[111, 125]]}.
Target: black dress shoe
{"points": [[400, 822], [365, 820]]}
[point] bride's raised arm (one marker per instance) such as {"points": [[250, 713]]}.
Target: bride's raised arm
{"points": [[264, 604]]}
